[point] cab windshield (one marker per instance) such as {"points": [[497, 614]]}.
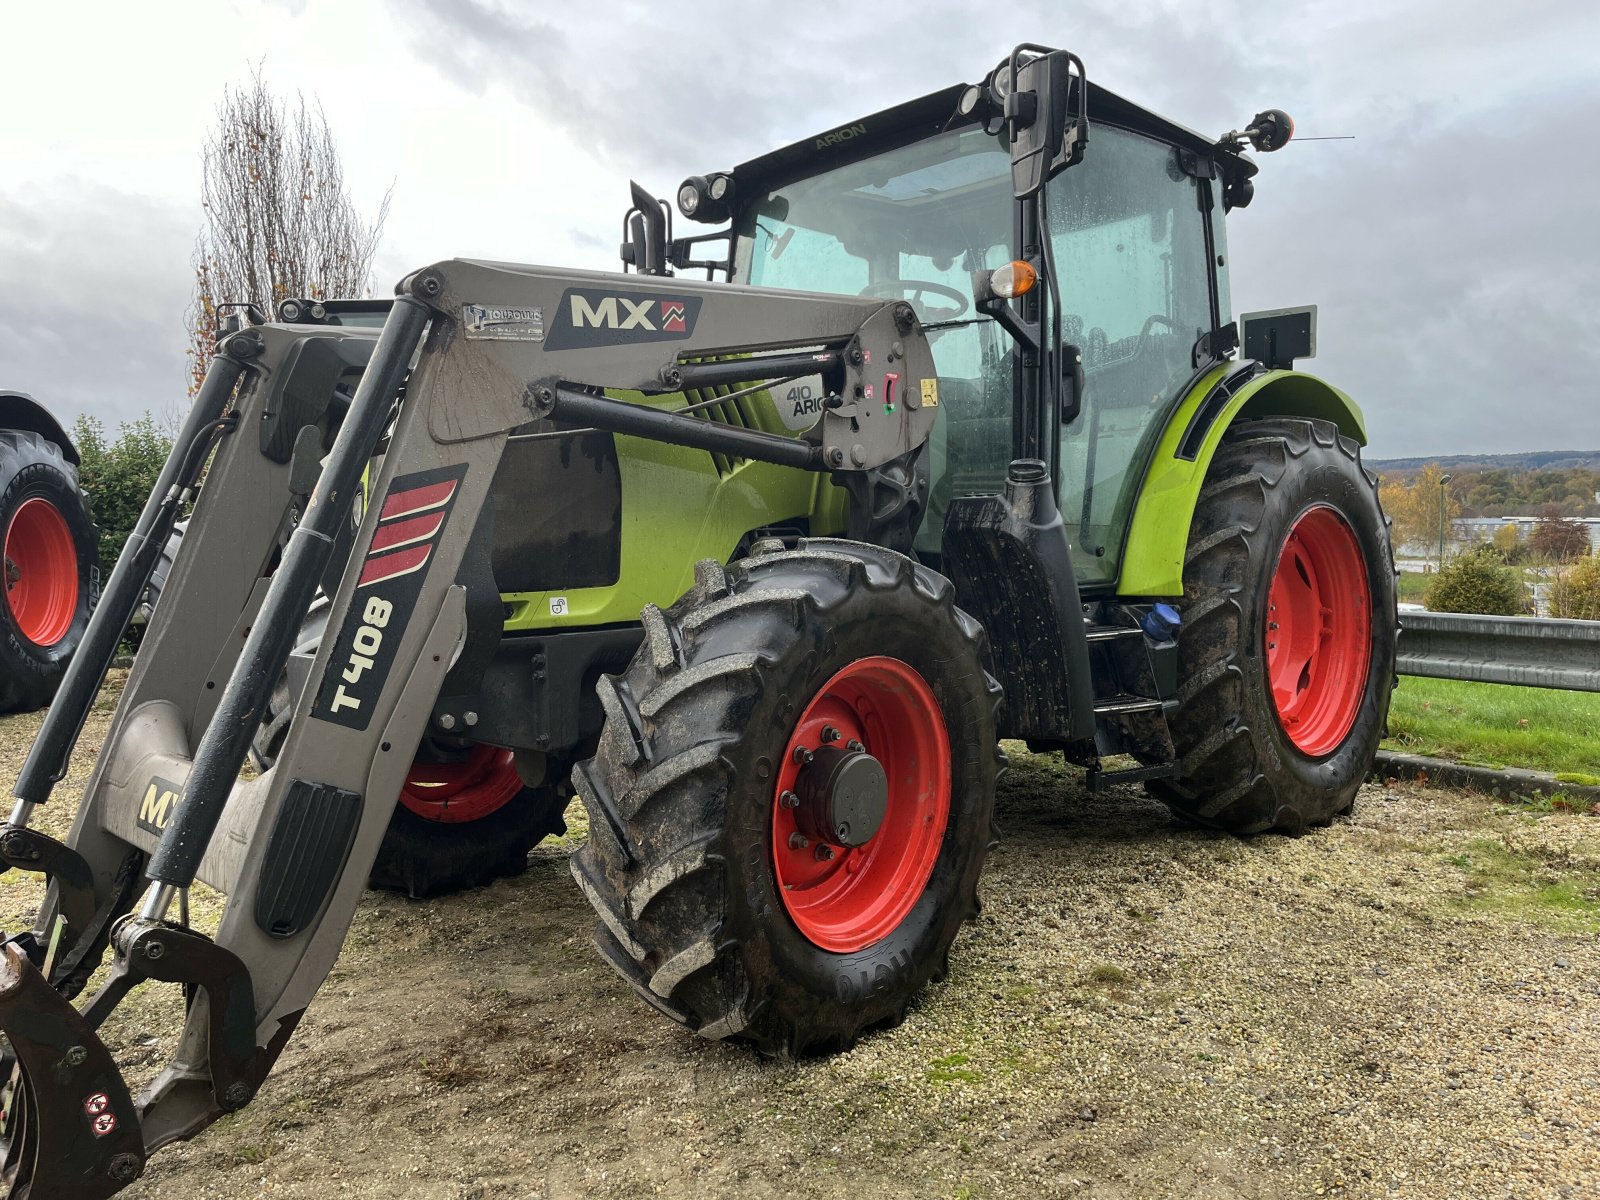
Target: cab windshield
{"points": [[916, 221]]}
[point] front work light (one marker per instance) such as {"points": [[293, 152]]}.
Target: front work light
{"points": [[706, 198]]}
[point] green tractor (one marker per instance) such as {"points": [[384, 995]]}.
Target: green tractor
{"points": [[954, 442]]}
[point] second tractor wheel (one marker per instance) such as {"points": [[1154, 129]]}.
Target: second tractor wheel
{"points": [[464, 817], [1286, 660], [793, 796], [49, 558]]}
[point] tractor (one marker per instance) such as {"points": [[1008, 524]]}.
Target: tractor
{"points": [[52, 565], [956, 441]]}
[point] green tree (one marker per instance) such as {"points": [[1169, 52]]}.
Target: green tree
{"points": [[1508, 543], [118, 475], [1414, 508], [1477, 582], [1576, 591]]}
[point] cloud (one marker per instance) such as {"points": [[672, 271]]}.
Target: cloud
{"points": [[92, 319], [1448, 247]]}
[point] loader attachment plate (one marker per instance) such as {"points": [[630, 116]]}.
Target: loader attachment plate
{"points": [[68, 1126]]}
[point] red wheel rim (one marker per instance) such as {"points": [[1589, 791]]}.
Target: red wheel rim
{"points": [[41, 572], [462, 791], [1319, 631], [844, 898]]}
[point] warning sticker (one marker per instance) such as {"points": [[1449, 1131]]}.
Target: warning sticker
{"points": [[930, 393]]}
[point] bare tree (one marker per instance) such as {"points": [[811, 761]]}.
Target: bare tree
{"points": [[278, 221]]}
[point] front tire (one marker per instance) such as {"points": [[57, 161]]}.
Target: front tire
{"points": [[726, 898], [1286, 659], [50, 555]]}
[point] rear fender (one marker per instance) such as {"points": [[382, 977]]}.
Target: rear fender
{"points": [[18, 410], [1158, 535]]}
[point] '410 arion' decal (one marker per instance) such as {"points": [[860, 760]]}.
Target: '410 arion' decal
{"points": [[411, 523]]}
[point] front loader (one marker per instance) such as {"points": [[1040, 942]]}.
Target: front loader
{"points": [[761, 574]]}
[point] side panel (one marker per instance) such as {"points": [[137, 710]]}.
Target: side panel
{"points": [[1152, 564], [677, 508]]}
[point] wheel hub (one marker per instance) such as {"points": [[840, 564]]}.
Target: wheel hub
{"points": [[843, 796], [861, 804], [41, 572], [1318, 631]]}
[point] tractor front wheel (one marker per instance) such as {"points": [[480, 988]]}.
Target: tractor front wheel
{"points": [[792, 796], [1286, 659]]}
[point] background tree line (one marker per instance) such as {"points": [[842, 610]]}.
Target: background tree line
{"points": [[1502, 492]]}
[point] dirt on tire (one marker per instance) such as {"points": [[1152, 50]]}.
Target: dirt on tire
{"points": [[1400, 1005]]}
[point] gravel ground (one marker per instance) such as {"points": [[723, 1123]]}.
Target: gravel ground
{"points": [[1404, 1004]]}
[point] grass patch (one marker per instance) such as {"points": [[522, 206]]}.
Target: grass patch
{"points": [[1413, 585], [1518, 885], [1106, 973], [951, 1069], [1497, 725]]}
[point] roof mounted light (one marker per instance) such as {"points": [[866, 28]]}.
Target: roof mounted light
{"points": [[706, 198], [1268, 131], [689, 193]]}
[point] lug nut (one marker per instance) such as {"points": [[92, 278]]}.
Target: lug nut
{"points": [[802, 755], [830, 734], [798, 841], [788, 800], [856, 746], [824, 853]]}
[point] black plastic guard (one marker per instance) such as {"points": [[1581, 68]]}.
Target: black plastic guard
{"points": [[69, 1127], [305, 854], [1011, 563]]}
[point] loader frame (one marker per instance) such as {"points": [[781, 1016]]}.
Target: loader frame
{"points": [[443, 388]]}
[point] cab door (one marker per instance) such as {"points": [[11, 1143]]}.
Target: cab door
{"points": [[1129, 233]]}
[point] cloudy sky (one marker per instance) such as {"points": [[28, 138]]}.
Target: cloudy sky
{"points": [[1452, 246]]}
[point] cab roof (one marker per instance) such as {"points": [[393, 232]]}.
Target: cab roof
{"points": [[935, 113]]}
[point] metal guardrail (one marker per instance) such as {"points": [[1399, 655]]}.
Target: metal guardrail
{"points": [[1531, 651]]}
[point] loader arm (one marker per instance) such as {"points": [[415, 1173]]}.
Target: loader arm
{"points": [[470, 352]]}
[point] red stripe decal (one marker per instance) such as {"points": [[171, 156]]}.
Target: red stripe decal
{"points": [[403, 504], [391, 566], [411, 529]]}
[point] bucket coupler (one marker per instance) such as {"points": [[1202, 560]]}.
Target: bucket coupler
{"points": [[470, 352]]}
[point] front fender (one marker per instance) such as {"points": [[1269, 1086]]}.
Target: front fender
{"points": [[1152, 565]]}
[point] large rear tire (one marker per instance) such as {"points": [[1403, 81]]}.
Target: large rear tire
{"points": [[50, 556], [1286, 659], [732, 893]]}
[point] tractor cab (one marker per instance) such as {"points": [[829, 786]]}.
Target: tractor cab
{"points": [[1078, 357]]}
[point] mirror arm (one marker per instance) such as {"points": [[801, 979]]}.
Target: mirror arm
{"points": [[1006, 317]]}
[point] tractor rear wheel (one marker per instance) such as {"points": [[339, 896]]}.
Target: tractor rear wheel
{"points": [[792, 796], [50, 556], [1286, 659]]}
